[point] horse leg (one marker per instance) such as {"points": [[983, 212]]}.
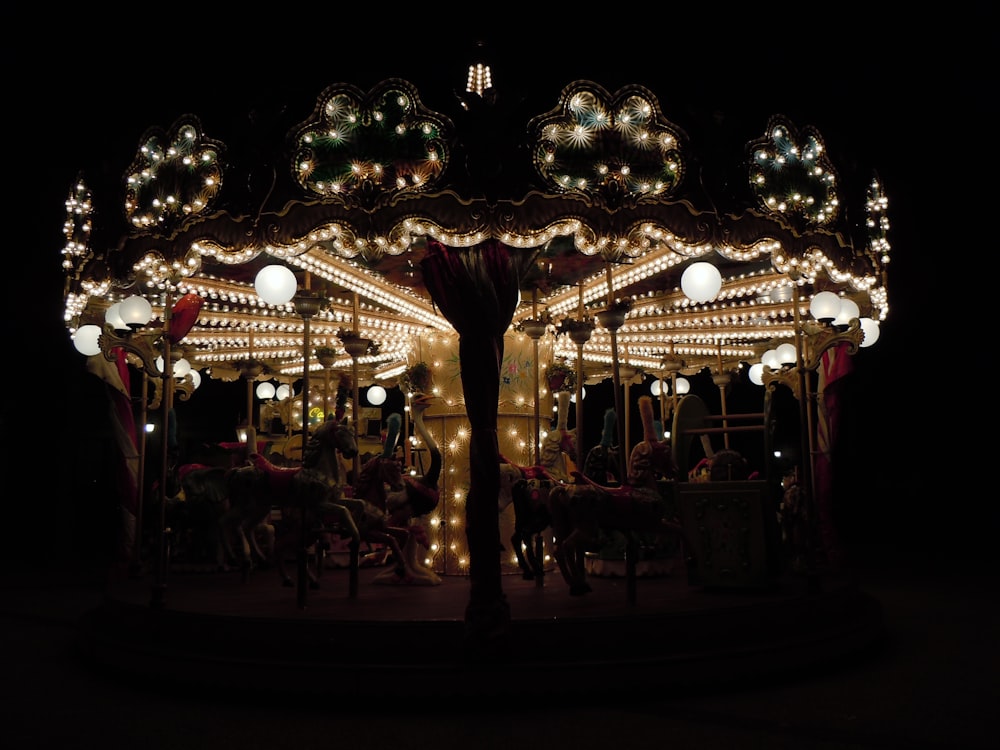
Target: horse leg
{"points": [[571, 564], [264, 554], [413, 557], [400, 572], [527, 568], [289, 540]]}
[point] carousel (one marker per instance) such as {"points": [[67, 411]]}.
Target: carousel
{"points": [[490, 271]]}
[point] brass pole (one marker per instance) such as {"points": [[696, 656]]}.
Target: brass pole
{"points": [[326, 392], [140, 479], [722, 396], [250, 386], [307, 304], [616, 377], [303, 573], [357, 386], [805, 429], [535, 456], [160, 568], [579, 392]]}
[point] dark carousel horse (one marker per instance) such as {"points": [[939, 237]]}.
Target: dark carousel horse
{"points": [[244, 496], [581, 511], [527, 489], [601, 463]]}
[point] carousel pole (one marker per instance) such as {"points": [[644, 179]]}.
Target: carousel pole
{"points": [[535, 329], [613, 320], [806, 439], [722, 380], [580, 341], [140, 480], [356, 348], [159, 590], [307, 304]]}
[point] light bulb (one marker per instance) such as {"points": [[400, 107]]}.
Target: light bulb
{"points": [[701, 281], [275, 285], [85, 340]]}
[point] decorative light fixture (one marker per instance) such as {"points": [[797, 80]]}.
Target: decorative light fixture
{"points": [[825, 306], [376, 395], [277, 285], [85, 340], [785, 353], [701, 281]]}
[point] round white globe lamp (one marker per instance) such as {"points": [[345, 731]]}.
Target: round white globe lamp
{"points": [[85, 340], [196, 378], [275, 285], [283, 391], [113, 315], [376, 395], [265, 391], [656, 387], [785, 354], [770, 359], [135, 311], [583, 395], [683, 386], [181, 368], [870, 328], [756, 373], [825, 306], [701, 281], [848, 311]]}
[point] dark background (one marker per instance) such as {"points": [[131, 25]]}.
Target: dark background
{"points": [[893, 102]]}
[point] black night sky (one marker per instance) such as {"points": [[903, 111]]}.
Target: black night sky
{"points": [[902, 109]]}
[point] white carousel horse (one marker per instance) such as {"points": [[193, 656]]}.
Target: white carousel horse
{"points": [[408, 505]]}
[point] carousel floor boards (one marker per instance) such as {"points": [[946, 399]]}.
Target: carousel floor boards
{"points": [[216, 631]]}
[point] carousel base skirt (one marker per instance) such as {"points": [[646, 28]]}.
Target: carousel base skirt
{"points": [[220, 631]]}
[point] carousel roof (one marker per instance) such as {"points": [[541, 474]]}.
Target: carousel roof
{"points": [[602, 197]]}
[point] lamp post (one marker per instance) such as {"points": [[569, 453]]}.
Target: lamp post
{"points": [[250, 369], [535, 329], [152, 348], [722, 379], [355, 347], [613, 318], [791, 366], [579, 332], [277, 285]]}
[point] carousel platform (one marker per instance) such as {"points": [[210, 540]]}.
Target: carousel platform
{"points": [[219, 632]]}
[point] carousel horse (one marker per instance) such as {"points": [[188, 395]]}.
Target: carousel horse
{"points": [[529, 488], [385, 505], [601, 463], [582, 510], [408, 499], [243, 496], [260, 486]]}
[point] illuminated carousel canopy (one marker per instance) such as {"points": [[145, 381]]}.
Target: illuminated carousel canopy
{"points": [[601, 199]]}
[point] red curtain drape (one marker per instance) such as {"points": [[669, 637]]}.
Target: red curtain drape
{"points": [[476, 289]]}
